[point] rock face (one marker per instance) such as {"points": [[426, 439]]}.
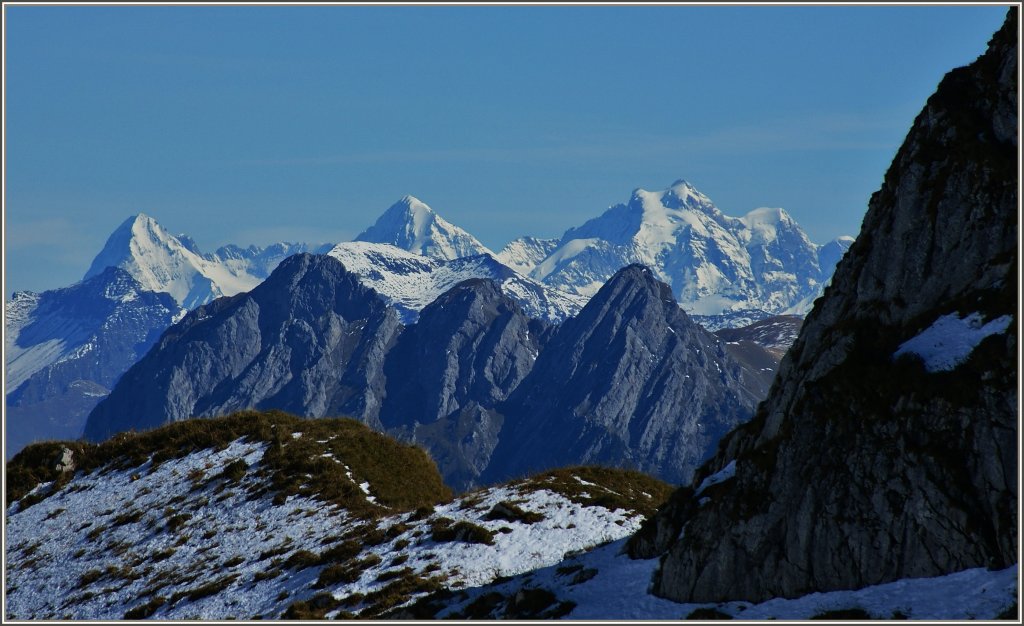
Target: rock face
{"points": [[305, 340], [447, 373], [488, 390], [862, 467], [775, 334], [629, 381], [67, 347]]}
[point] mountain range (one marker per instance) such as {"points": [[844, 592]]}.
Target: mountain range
{"points": [[715, 264], [410, 255], [629, 381], [66, 348], [879, 478], [164, 263]]}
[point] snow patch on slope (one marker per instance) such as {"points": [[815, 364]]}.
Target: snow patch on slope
{"points": [[617, 589], [950, 340]]}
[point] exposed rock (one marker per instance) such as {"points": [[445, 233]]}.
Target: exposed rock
{"points": [[469, 350], [309, 340], [775, 334], [861, 468], [66, 460], [656, 390], [630, 381]]}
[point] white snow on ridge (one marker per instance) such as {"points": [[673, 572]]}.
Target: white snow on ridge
{"points": [[171, 264], [413, 226], [523, 254], [411, 281], [114, 528], [950, 340], [714, 263], [22, 362]]}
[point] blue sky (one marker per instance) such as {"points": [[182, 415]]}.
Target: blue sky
{"points": [[255, 124]]}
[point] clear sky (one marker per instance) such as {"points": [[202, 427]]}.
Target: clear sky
{"points": [[256, 124]]}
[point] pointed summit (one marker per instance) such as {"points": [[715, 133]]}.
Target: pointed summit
{"points": [[413, 226], [630, 380]]}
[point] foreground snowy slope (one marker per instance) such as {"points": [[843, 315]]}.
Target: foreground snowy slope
{"points": [[605, 583], [270, 516]]}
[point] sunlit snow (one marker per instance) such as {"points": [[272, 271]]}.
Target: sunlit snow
{"points": [[950, 340]]}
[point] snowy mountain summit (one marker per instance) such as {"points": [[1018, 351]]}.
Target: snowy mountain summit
{"points": [[715, 264], [409, 281], [166, 263], [413, 226]]}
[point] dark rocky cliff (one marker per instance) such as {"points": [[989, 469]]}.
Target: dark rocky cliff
{"points": [[861, 467], [467, 352], [307, 340], [630, 381]]}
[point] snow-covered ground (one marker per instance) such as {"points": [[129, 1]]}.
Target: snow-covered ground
{"points": [[616, 588], [199, 546], [185, 540], [950, 340]]}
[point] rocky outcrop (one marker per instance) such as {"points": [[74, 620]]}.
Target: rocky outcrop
{"points": [[630, 381], [861, 467]]}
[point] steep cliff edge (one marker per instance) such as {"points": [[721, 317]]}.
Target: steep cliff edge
{"points": [[887, 447]]}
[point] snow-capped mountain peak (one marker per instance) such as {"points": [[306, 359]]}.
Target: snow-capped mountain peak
{"points": [[684, 195], [163, 263], [172, 264], [716, 264], [412, 225]]}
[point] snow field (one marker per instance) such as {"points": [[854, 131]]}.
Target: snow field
{"points": [[198, 545]]}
